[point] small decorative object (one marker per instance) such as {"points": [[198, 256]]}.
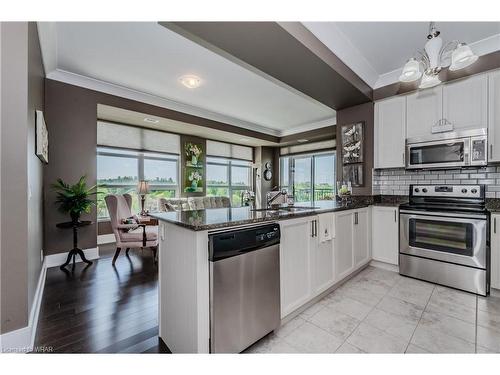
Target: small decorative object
{"points": [[74, 199], [193, 153], [352, 143], [42, 138], [344, 190], [268, 173], [143, 190], [194, 177], [247, 198]]}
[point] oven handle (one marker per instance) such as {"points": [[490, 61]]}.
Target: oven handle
{"points": [[445, 214]]}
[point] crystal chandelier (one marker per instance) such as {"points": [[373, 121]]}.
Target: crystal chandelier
{"points": [[434, 58]]}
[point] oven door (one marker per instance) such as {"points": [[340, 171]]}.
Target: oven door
{"points": [[438, 154], [440, 236]]}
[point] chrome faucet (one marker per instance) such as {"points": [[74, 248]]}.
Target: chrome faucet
{"points": [[272, 197]]}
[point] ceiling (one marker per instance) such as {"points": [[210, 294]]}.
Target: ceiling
{"points": [[123, 116], [377, 51], [145, 60]]}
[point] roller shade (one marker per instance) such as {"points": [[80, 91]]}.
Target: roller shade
{"points": [[124, 136], [308, 147], [228, 150]]}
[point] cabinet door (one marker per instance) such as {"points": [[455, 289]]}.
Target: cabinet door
{"points": [[361, 236], [465, 103], [424, 109], [323, 271], [495, 252], [494, 116], [385, 234], [343, 244], [295, 275], [389, 141]]}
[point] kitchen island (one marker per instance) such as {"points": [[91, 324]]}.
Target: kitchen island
{"points": [[184, 287]]}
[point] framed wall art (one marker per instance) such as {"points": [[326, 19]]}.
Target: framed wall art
{"points": [[352, 153], [42, 138], [193, 164]]}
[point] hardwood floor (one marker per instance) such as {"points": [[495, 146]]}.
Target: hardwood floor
{"points": [[101, 308]]}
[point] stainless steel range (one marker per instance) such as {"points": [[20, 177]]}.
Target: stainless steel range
{"points": [[444, 236]]}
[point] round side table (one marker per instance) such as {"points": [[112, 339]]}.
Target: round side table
{"points": [[75, 250]]}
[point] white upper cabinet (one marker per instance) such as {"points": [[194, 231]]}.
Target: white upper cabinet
{"points": [[390, 118], [465, 103], [494, 116], [424, 109]]}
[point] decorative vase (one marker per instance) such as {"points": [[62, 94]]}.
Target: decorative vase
{"points": [[194, 184], [194, 160]]}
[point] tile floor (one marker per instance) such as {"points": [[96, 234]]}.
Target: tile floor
{"points": [[379, 311]]}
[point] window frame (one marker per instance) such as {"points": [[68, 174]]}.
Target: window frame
{"points": [[291, 167], [229, 163], [140, 156]]}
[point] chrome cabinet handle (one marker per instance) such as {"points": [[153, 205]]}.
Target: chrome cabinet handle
{"points": [[491, 150], [494, 225], [315, 228], [395, 219], [355, 218], [312, 228]]}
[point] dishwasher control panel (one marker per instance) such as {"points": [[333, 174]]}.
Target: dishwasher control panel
{"points": [[234, 242]]}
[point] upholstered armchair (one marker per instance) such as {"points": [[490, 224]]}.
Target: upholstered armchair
{"points": [[129, 235]]}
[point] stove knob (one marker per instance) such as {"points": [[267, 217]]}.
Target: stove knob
{"points": [[424, 190], [473, 191], [464, 191], [417, 190]]}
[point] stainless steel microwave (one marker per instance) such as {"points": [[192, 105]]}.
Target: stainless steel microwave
{"points": [[448, 150]]}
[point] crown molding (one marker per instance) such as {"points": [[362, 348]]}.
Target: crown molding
{"points": [[310, 126], [124, 92], [140, 96]]}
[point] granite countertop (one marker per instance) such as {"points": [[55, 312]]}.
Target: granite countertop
{"points": [[493, 205], [215, 218]]}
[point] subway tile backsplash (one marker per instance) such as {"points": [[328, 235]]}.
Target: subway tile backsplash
{"points": [[397, 181]]}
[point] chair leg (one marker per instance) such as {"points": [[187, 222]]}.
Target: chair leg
{"points": [[127, 250], [117, 252], [155, 254]]}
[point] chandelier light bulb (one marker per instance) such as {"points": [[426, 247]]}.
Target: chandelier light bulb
{"points": [[429, 80], [411, 71], [462, 57]]}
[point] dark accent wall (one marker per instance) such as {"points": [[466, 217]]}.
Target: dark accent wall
{"points": [[362, 112], [71, 116], [21, 181], [185, 139]]}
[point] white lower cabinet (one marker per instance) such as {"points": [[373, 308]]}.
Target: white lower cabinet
{"points": [[344, 260], [495, 251], [352, 241], [309, 266], [322, 258], [362, 237], [295, 262], [385, 234]]}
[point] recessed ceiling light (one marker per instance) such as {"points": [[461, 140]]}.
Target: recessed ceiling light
{"points": [[190, 81], [302, 140], [151, 120]]}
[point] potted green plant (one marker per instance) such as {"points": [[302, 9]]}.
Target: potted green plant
{"points": [[74, 199]]}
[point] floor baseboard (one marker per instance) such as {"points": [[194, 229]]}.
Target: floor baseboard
{"points": [[104, 239], [385, 266], [55, 260], [23, 340]]}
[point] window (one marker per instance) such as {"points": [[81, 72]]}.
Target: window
{"points": [[309, 178], [119, 171], [228, 177]]}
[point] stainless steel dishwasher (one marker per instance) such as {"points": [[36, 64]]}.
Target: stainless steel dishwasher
{"points": [[244, 286]]}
